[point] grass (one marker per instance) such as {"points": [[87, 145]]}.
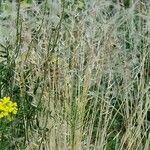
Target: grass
{"points": [[79, 73]]}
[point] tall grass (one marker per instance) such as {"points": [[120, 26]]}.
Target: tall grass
{"points": [[79, 72]]}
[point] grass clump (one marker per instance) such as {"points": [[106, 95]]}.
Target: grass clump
{"points": [[79, 72]]}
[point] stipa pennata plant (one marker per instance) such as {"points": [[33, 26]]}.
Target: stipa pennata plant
{"points": [[8, 108]]}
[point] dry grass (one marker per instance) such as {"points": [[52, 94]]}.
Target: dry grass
{"points": [[82, 74]]}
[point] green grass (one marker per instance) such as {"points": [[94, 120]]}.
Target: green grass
{"points": [[79, 72]]}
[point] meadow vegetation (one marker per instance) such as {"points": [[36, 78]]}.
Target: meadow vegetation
{"points": [[78, 72]]}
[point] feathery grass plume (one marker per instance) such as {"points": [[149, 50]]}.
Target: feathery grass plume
{"points": [[79, 71]]}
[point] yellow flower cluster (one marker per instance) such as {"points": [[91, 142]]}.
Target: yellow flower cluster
{"points": [[7, 108]]}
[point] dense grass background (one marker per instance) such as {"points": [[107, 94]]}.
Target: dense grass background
{"points": [[79, 72]]}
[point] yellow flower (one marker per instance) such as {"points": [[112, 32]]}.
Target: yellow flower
{"points": [[7, 108], [6, 100]]}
